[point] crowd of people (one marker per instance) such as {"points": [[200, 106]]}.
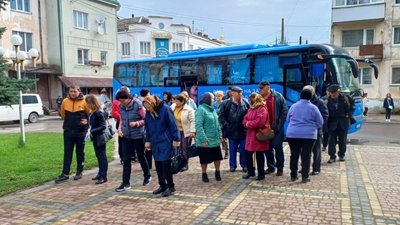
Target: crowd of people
{"points": [[152, 128]]}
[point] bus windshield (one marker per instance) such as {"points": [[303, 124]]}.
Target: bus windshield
{"points": [[345, 76]]}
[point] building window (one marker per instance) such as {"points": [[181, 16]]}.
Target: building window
{"points": [[20, 5], [80, 20], [26, 40], [397, 2], [145, 48], [83, 56], [126, 50], [365, 76], [355, 2], [396, 35], [355, 38], [396, 76], [176, 47], [103, 57], [190, 47]]}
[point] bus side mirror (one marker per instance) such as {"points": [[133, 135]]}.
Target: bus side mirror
{"points": [[354, 67], [376, 73]]}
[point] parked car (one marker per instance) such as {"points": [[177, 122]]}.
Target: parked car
{"points": [[32, 109]]}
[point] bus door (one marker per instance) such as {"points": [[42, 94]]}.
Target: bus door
{"points": [[294, 79], [189, 84]]}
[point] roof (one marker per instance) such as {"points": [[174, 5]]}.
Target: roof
{"points": [[86, 81], [123, 24]]}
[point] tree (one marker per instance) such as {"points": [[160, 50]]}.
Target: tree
{"points": [[9, 87]]}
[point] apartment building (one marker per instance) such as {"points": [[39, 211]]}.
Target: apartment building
{"points": [[370, 29], [156, 36], [28, 19], [81, 35]]}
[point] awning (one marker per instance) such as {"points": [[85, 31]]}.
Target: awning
{"points": [[86, 81]]}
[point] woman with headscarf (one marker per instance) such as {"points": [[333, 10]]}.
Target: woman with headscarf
{"points": [[208, 136], [303, 119], [255, 119], [162, 135]]}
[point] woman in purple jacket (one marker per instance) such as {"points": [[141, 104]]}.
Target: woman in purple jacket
{"points": [[303, 119]]}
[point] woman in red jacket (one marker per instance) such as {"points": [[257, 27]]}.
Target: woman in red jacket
{"points": [[256, 118]]}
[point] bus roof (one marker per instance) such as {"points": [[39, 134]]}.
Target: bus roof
{"points": [[230, 50]]}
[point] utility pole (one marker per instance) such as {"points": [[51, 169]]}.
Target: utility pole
{"points": [[283, 31]]}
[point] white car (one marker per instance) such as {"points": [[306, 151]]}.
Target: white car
{"points": [[32, 109]]}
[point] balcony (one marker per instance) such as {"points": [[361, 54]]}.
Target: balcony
{"points": [[356, 13], [371, 51]]}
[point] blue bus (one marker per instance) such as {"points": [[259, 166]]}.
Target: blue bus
{"points": [[287, 68]]}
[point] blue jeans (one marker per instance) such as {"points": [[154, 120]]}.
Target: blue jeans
{"points": [[237, 146]]}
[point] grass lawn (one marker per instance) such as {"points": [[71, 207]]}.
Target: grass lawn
{"points": [[39, 161]]}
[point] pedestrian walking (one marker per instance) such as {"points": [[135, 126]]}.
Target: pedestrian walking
{"points": [[132, 133], [255, 119], [231, 114], [167, 95], [389, 106], [184, 116], [304, 120], [74, 112], [277, 111], [97, 127], [162, 136], [208, 136], [341, 108]]}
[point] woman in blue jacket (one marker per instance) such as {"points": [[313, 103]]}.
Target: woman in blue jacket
{"points": [[162, 135]]}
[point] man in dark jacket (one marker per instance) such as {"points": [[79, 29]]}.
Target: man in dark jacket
{"points": [[323, 109], [341, 108], [74, 112], [230, 115], [277, 109]]}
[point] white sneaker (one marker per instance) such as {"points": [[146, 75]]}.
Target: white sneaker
{"points": [[388, 120]]}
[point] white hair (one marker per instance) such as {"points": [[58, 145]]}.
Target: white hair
{"points": [[310, 88]]}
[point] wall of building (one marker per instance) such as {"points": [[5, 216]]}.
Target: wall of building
{"points": [[74, 38], [148, 32], [25, 22], [391, 53]]}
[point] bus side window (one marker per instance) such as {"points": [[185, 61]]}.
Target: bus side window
{"points": [[213, 73], [267, 68], [239, 71]]}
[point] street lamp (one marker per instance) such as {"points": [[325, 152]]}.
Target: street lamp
{"points": [[18, 58]]}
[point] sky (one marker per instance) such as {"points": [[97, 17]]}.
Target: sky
{"points": [[243, 21]]}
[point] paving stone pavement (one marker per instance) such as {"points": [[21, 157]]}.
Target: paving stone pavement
{"points": [[365, 189]]}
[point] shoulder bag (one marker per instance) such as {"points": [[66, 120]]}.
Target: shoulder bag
{"points": [[266, 133]]}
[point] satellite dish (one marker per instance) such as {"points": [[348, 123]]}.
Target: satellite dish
{"points": [[101, 24], [100, 19]]}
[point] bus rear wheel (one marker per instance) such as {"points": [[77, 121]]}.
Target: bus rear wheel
{"points": [[33, 117]]}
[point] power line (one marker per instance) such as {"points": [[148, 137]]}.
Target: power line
{"points": [[234, 22]]}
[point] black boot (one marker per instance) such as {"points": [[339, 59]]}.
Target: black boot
{"points": [[217, 175], [205, 178]]}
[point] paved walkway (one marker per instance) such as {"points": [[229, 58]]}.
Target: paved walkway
{"points": [[362, 190]]}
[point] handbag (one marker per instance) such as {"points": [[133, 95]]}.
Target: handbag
{"points": [[109, 132], [178, 161], [193, 151], [266, 133]]}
